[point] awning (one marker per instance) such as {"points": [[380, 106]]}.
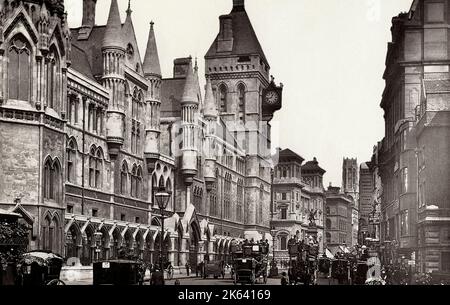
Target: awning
{"points": [[329, 254]]}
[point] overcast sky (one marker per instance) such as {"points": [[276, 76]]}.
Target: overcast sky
{"points": [[329, 54]]}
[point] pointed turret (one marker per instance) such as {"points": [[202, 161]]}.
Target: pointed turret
{"points": [[190, 87], [151, 60], [210, 114], [210, 110], [113, 50], [113, 32]]}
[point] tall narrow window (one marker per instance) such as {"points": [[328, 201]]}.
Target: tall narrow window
{"points": [[52, 172], [139, 183], [260, 206], [124, 179], [98, 169], [19, 69], [52, 79], [223, 99], [240, 199], [241, 95], [133, 181], [47, 179], [71, 161], [92, 163]]}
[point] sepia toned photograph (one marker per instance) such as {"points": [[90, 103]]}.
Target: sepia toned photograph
{"points": [[240, 143]]}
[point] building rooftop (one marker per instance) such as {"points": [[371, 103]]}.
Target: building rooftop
{"points": [[313, 166], [245, 41], [287, 155]]}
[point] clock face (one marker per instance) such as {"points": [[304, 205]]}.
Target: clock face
{"points": [[271, 97]]}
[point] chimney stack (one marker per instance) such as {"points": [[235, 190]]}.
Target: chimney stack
{"points": [[88, 22], [238, 3]]}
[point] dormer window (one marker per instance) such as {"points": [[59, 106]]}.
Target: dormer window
{"points": [[130, 51]]}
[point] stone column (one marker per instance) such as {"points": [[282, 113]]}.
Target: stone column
{"points": [[183, 253], [172, 251]]}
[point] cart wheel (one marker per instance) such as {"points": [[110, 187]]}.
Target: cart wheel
{"points": [[56, 283]]}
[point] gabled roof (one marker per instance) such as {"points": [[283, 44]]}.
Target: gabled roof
{"points": [[91, 47], [171, 93], [129, 36], [288, 154], [245, 41], [313, 166], [80, 62]]}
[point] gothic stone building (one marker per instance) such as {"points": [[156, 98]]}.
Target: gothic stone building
{"points": [[89, 132]]}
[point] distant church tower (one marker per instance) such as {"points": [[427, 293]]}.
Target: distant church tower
{"points": [[350, 178]]}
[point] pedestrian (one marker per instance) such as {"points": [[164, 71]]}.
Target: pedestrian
{"points": [[177, 282], [187, 269], [157, 278], [284, 279]]}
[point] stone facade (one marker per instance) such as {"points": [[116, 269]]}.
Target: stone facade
{"points": [[338, 208], [414, 165], [297, 190], [89, 132]]}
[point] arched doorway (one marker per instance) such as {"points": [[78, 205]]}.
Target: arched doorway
{"points": [[73, 241], [194, 239], [87, 246], [116, 242]]}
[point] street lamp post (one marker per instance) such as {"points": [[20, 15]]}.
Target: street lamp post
{"points": [[162, 198], [273, 269], [98, 240]]}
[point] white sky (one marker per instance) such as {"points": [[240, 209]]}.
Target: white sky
{"points": [[329, 54]]}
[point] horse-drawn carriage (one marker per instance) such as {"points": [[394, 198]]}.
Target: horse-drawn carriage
{"points": [[39, 268], [303, 263], [250, 263]]}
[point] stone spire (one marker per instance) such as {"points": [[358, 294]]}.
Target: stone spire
{"points": [[210, 110], [113, 36], [190, 87], [151, 59], [129, 11]]}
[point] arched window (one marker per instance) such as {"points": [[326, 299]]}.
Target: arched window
{"points": [[19, 69], [139, 183], [259, 213], [124, 178], [154, 188], [52, 172], [328, 237], [133, 181], [71, 161], [52, 78], [48, 185], [240, 199], [283, 242], [95, 168], [213, 198], [223, 98], [241, 95], [227, 197], [136, 109], [328, 223]]}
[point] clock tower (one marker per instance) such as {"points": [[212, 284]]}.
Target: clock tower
{"points": [[246, 99]]}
